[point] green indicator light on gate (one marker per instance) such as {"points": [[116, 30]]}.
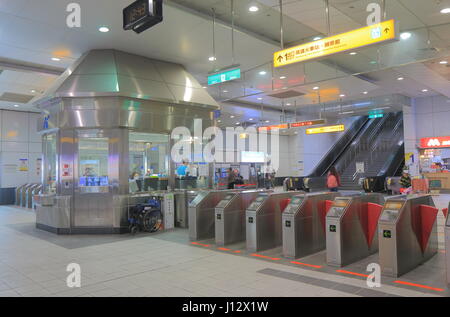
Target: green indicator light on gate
{"points": [[224, 77]]}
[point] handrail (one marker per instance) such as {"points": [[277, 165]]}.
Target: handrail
{"points": [[339, 148]]}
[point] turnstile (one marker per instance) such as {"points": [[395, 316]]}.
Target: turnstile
{"points": [[351, 226], [447, 243], [407, 233], [304, 224], [201, 213], [29, 195], [230, 216], [23, 194], [263, 220], [19, 194]]}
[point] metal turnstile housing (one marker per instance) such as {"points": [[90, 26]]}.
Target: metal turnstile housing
{"points": [[447, 244], [263, 221], [346, 235], [230, 216], [400, 227], [201, 214], [19, 194], [304, 224]]}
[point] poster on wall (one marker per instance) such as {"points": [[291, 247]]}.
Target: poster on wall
{"points": [[360, 168], [67, 171], [23, 165]]}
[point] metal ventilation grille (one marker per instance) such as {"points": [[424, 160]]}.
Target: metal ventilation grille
{"points": [[18, 98], [287, 94]]}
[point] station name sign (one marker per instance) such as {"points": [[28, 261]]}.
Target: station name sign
{"points": [[327, 129], [383, 32], [433, 143]]}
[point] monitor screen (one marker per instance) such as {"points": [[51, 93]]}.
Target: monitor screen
{"points": [[253, 157]]}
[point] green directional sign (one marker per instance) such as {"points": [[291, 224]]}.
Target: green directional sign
{"points": [[373, 114], [224, 76]]}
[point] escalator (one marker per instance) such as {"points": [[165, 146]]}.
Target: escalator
{"points": [[375, 144]]}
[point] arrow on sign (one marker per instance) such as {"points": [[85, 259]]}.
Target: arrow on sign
{"points": [[387, 30], [280, 59]]}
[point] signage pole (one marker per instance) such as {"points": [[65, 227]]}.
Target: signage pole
{"points": [[327, 12], [383, 4], [232, 33], [281, 25]]}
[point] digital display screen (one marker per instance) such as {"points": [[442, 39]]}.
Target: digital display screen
{"points": [[136, 12], [93, 181], [393, 205], [296, 200], [252, 157], [387, 234]]}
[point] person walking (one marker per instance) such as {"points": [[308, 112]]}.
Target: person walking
{"points": [[333, 180]]}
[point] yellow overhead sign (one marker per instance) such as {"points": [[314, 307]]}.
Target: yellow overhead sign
{"points": [[374, 34], [327, 129]]}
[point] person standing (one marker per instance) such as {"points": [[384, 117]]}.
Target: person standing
{"points": [[333, 180], [231, 178]]}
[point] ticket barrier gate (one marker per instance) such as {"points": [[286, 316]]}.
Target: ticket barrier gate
{"points": [[263, 220], [230, 216], [29, 195], [304, 224], [447, 243], [20, 191], [23, 194], [201, 213], [407, 233], [351, 227]]}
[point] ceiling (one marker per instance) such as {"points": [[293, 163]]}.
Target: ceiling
{"points": [[185, 37]]}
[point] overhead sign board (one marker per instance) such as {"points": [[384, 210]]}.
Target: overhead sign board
{"points": [[274, 127], [433, 143], [373, 114], [383, 32], [306, 123], [224, 76], [142, 14], [327, 129]]}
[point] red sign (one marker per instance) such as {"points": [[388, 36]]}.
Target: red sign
{"points": [[306, 123], [433, 143], [274, 127]]}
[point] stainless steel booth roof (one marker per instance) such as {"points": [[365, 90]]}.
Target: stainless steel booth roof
{"points": [[101, 73]]}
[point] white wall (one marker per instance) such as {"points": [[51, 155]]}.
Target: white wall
{"points": [[428, 117], [306, 151], [19, 140]]}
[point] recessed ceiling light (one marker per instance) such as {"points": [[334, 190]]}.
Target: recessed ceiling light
{"points": [[445, 10], [405, 35], [283, 77], [424, 90], [365, 92], [443, 62], [288, 104], [262, 73], [317, 38], [316, 88], [212, 59], [17, 106], [231, 117], [237, 123], [205, 87], [400, 78], [225, 91], [33, 91], [253, 8], [251, 119], [342, 95], [353, 53], [260, 98], [373, 62], [56, 59], [103, 29], [267, 121]]}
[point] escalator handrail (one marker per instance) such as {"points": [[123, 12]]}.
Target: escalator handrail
{"points": [[336, 151]]}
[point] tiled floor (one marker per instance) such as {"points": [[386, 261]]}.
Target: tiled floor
{"points": [[33, 263]]}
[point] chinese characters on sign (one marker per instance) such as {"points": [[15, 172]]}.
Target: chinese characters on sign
{"points": [[379, 33]]}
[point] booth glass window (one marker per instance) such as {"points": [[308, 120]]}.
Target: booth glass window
{"points": [[93, 153], [148, 161], [49, 163]]}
